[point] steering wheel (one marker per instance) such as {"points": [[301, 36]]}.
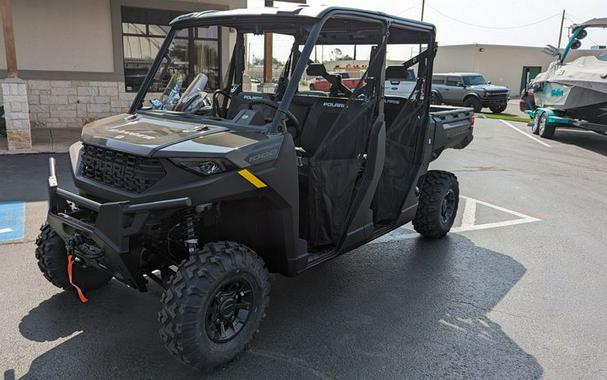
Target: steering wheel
{"points": [[274, 105], [216, 108]]}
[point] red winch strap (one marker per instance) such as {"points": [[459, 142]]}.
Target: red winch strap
{"points": [[70, 265]]}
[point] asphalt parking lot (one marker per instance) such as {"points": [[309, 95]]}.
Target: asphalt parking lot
{"points": [[516, 291]]}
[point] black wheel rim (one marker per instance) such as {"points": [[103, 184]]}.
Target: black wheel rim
{"points": [[448, 206], [230, 309]]}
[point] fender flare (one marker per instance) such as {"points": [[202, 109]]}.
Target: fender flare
{"points": [[471, 95]]}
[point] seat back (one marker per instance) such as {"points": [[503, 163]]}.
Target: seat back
{"points": [[241, 101], [323, 114], [392, 107]]}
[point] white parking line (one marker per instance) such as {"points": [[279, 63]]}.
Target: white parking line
{"points": [[526, 134], [471, 207], [469, 215], [468, 223], [5, 230]]}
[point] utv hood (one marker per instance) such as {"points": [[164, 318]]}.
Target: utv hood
{"points": [[146, 135]]}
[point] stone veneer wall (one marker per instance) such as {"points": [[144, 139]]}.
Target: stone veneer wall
{"points": [[71, 104]]}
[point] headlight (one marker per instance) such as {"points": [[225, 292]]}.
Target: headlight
{"points": [[204, 166], [485, 93]]}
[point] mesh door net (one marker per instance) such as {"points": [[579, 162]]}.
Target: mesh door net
{"points": [[338, 162], [403, 137]]}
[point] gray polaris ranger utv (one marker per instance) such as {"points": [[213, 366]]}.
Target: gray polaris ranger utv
{"points": [[206, 194]]}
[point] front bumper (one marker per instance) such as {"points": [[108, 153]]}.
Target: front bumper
{"points": [[491, 101], [109, 226]]}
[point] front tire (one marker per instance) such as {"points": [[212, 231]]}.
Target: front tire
{"points": [[438, 202], [52, 261], [474, 103], [535, 126], [498, 108], [214, 304]]}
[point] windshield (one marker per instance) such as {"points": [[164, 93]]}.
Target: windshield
{"points": [[473, 80], [189, 69]]}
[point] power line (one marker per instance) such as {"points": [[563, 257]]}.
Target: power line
{"points": [[407, 10], [494, 27]]}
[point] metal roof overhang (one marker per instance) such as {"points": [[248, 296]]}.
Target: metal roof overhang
{"points": [[345, 25]]}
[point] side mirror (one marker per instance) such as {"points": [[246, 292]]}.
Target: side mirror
{"points": [[488, 82], [461, 84]]}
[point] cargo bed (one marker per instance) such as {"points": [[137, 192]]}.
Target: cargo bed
{"points": [[453, 127]]}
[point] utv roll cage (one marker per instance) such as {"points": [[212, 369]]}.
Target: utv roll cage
{"points": [[325, 25]]}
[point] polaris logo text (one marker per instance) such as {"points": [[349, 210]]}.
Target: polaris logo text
{"points": [[334, 105]]}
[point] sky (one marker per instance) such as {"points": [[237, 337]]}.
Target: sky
{"points": [[504, 22]]}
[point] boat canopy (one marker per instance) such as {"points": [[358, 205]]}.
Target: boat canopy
{"points": [[594, 23]]}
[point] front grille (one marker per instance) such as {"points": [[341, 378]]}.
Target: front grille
{"points": [[120, 170], [497, 95]]}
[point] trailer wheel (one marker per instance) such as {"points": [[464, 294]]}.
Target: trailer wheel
{"points": [[214, 304], [545, 130], [535, 126], [438, 203], [52, 261]]}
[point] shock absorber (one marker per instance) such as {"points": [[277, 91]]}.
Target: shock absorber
{"points": [[191, 242]]}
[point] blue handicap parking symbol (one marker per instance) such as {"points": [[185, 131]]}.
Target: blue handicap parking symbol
{"points": [[12, 221]]}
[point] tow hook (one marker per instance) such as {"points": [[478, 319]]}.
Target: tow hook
{"points": [[70, 245]]}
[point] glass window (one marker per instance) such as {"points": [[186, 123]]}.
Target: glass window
{"points": [[438, 80], [453, 81], [473, 80], [253, 75], [194, 50]]}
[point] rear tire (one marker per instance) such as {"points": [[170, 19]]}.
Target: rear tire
{"points": [[435, 99], [438, 202], [474, 103], [214, 305], [545, 130], [52, 261]]}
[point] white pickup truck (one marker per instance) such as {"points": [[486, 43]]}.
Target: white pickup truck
{"points": [[400, 81]]}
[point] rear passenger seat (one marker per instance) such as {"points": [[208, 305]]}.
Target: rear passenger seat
{"points": [[392, 107]]}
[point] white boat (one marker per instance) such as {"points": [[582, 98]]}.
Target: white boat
{"points": [[577, 88]]}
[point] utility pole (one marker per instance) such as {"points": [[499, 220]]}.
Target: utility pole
{"points": [[267, 51], [9, 38], [422, 19], [561, 29]]}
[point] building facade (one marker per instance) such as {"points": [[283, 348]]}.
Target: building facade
{"points": [[512, 66], [80, 60]]}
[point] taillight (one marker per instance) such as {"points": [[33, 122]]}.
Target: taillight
{"points": [[472, 121]]}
